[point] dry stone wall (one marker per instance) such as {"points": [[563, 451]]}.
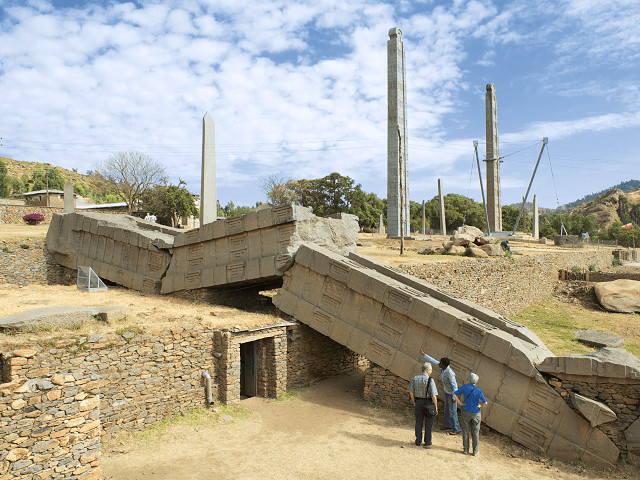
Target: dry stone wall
{"points": [[384, 388], [623, 399], [313, 356], [141, 378], [14, 213], [50, 428], [24, 266], [503, 285]]}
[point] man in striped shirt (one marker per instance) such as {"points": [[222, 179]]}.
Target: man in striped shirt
{"points": [[449, 385], [423, 392]]}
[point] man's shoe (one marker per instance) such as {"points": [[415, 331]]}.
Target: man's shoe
{"points": [[427, 446], [445, 428], [454, 433]]}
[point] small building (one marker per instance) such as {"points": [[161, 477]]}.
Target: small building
{"points": [[45, 198]]}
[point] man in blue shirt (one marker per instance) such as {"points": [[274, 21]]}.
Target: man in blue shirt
{"points": [[449, 384], [473, 401]]}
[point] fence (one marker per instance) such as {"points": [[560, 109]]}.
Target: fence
{"points": [[627, 255]]}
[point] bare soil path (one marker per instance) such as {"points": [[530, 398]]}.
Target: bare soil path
{"points": [[327, 433]]}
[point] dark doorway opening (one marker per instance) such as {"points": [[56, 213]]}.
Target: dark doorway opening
{"points": [[249, 369]]}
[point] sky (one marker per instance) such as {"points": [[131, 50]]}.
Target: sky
{"points": [[298, 89]]}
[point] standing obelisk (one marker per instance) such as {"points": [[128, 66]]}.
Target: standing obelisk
{"points": [[397, 171], [494, 207], [208, 200]]}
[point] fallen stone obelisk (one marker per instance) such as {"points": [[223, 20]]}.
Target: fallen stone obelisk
{"points": [[149, 257], [387, 316]]}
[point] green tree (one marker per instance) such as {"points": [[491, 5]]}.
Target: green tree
{"points": [[279, 190], [328, 195], [5, 185], [629, 237], [457, 209], [17, 186], [169, 203], [509, 217]]}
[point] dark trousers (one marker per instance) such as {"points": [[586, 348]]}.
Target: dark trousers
{"points": [[423, 417]]}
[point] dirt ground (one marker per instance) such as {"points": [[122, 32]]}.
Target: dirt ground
{"points": [[328, 432]]}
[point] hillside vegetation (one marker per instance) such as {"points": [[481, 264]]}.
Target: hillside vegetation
{"points": [[21, 176]]}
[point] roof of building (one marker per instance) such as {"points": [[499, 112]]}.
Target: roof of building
{"points": [[102, 205], [41, 192]]}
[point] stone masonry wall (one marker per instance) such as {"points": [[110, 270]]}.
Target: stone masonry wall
{"points": [[598, 276], [14, 213], [623, 399], [50, 428], [503, 285], [24, 266], [385, 388], [141, 378], [313, 356]]}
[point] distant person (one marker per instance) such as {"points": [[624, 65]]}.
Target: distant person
{"points": [[473, 401], [505, 246], [150, 218], [449, 385], [423, 396]]}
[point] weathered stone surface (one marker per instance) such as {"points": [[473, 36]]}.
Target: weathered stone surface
{"points": [[56, 316], [606, 362], [456, 249], [431, 249], [482, 241], [149, 257], [599, 339], [462, 239], [596, 412], [619, 296], [474, 232], [493, 249], [364, 244], [375, 311], [476, 252]]}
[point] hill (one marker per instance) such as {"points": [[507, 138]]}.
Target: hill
{"points": [[91, 185], [627, 186], [610, 206]]}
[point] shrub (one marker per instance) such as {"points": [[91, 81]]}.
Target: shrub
{"points": [[593, 267], [617, 262], [576, 269], [24, 246], [33, 218], [6, 250]]}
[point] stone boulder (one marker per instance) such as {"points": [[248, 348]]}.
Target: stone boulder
{"points": [[476, 252], [492, 249], [431, 250], [595, 339], [447, 244], [619, 296], [456, 249], [462, 239], [468, 230], [482, 241]]}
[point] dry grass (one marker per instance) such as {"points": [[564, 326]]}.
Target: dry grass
{"points": [[10, 232], [151, 313]]}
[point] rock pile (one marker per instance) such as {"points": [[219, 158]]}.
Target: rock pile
{"points": [[466, 240]]}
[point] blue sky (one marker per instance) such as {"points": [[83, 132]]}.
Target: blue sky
{"points": [[298, 89]]}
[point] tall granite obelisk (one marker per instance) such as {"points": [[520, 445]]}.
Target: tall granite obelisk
{"points": [[494, 207], [208, 200], [397, 171]]}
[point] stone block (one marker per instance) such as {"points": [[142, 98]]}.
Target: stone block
{"points": [[596, 412]]}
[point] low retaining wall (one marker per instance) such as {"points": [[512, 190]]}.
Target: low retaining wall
{"points": [[596, 277], [141, 378], [384, 388], [503, 285], [14, 213], [50, 429], [24, 266]]}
